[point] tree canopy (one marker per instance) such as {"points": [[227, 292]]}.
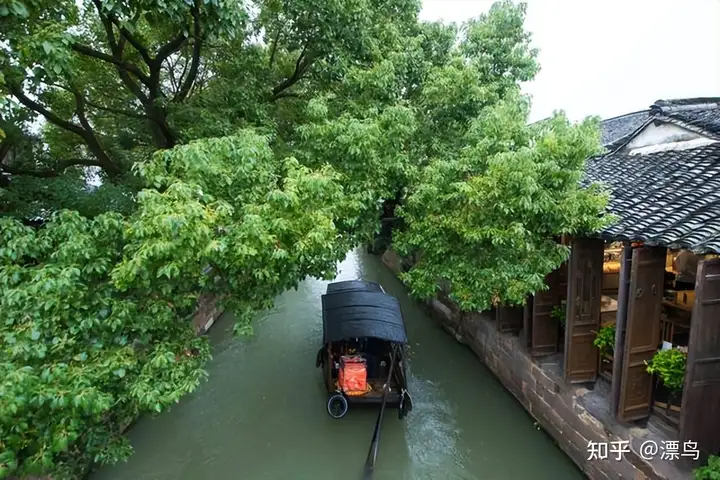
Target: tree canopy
{"points": [[153, 151]]}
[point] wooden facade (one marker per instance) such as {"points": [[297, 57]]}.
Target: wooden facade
{"points": [[642, 332], [700, 419], [640, 292], [583, 310], [545, 329]]}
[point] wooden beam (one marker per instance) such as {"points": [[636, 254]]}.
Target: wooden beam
{"points": [[620, 322]]}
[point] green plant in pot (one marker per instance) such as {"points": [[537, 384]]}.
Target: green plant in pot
{"points": [[669, 366], [605, 339], [711, 471]]}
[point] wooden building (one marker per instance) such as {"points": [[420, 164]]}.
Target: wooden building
{"points": [[653, 276]]}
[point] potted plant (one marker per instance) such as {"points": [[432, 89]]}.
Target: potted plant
{"points": [[669, 368], [605, 342], [711, 471]]}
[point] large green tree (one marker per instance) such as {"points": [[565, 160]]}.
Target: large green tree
{"points": [[153, 151], [484, 217], [187, 114]]}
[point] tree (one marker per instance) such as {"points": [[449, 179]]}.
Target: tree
{"points": [[96, 310], [485, 214], [114, 81], [239, 148], [211, 186]]}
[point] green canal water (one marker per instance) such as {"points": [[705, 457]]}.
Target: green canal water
{"points": [[262, 413]]}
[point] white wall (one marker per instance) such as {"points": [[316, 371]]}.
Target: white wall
{"points": [[658, 137]]}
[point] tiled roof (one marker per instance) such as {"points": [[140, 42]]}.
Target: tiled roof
{"points": [[701, 113], [617, 128], [669, 198]]}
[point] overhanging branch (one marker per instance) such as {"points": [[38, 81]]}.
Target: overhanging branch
{"points": [[118, 111], [58, 170], [301, 65], [173, 46], [137, 44], [42, 110], [195, 61], [113, 59]]}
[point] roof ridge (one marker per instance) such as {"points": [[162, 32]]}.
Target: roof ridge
{"points": [[682, 104], [683, 108]]}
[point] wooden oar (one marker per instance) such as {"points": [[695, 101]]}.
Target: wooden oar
{"points": [[375, 443]]}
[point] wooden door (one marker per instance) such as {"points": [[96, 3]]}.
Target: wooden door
{"points": [[583, 309], [544, 338], [700, 419], [642, 331]]}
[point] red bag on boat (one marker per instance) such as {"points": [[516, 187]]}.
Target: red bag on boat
{"points": [[353, 375]]}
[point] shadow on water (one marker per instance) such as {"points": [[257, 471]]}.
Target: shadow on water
{"points": [[262, 413]]}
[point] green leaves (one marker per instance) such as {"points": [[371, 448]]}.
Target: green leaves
{"points": [[100, 306], [669, 365], [482, 215], [605, 339], [711, 471], [233, 169]]}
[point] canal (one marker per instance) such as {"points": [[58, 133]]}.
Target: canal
{"points": [[262, 413]]}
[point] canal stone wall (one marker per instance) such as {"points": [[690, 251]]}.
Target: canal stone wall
{"points": [[570, 414], [206, 312]]}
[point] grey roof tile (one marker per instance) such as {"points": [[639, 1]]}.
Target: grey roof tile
{"points": [[668, 198], [617, 128]]}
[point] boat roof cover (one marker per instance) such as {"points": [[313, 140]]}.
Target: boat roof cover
{"points": [[356, 309]]}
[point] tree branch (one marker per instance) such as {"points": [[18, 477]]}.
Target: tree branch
{"points": [[285, 95], [142, 50], [49, 116], [91, 139], [301, 65], [117, 48], [118, 111], [58, 170], [273, 51], [195, 62], [171, 65], [118, 62], [5, 147], [274, 47], [173, 46], [179, 81]]}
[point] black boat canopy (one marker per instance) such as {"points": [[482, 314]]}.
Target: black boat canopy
{"points": [[356, 309]]}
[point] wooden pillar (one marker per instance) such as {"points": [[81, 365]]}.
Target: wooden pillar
{"points": [[620, 322], [642, 332], [700, 417], [583, 309]]}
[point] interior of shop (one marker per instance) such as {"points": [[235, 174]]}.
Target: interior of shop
{"points": [[677, 304]]}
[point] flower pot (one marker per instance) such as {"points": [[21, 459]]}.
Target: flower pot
{"points": [[606, 366], [667, 403]]}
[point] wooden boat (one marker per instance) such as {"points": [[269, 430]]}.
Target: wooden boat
{"points": [[364, 348]]}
